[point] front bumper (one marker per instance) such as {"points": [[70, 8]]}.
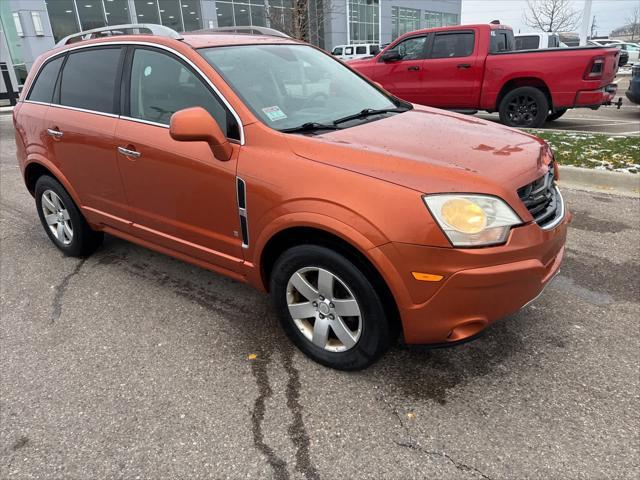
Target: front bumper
{"points": [[479, 285]]}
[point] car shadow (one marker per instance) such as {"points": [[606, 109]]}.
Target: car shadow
{"points": [[418, 373]]}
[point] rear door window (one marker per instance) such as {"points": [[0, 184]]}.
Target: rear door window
{"points": [[45, 83], [361, 50], [89, 79], [450, 45], [348, 51], [502, 41]]}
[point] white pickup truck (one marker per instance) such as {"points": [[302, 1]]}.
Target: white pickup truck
{"points": [[536, 40]]}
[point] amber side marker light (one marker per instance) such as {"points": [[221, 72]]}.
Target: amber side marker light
{"points": [[426, 277]]}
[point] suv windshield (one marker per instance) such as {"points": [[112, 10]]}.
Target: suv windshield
{"points": [[288, 86]]}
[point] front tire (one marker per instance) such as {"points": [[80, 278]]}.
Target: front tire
{"points": [[62, 220], [328, 308], [524, 107]]}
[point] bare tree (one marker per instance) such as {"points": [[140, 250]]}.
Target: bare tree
{"points": [[634, 23], [306, 20], [631, 29], [552, 15]]}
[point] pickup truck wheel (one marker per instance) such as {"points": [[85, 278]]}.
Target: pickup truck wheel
{"points": [[556, 115], [524, 107], [328, 308]]}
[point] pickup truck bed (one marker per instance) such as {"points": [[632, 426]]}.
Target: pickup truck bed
{"points": [[474, 67]]}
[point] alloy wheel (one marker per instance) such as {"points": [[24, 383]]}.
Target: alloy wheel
{"points": [[522, 110], [324, 309], [57, 217]]}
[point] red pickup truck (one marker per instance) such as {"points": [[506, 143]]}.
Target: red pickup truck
{"points": [[475, 67]]}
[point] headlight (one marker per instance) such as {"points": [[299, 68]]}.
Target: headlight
{"points": [[472, 220]]}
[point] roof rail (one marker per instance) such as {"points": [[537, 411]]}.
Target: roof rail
{"points": [[126, 29], [246, 29]]}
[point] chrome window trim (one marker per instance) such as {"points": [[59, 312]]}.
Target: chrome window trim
{"points": [[84, 110], [36, 102], [560, 216], [148, 44], [147, 122]]}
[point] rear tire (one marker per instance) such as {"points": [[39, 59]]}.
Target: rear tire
{"points": [[556, 115], [343, 326], [62, 220], [524, 107]]}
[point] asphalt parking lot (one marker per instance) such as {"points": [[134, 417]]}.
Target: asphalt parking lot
{"points": [[607, 119], [130, 364]]}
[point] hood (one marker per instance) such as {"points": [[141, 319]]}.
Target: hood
{"points": [[431, 151]]}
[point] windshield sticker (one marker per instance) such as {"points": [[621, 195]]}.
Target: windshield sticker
{"points": [[274, 113]]}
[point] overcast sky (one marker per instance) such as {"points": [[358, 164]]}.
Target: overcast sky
{"points": [[609, 14]]}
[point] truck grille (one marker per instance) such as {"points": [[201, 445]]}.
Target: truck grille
{"points": [[543, 200]]}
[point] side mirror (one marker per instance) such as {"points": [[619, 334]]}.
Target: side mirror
{"points": [[391, 56], [195, 124]]}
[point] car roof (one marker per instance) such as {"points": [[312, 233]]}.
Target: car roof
{"points": [[201, 40], [194, 40]]}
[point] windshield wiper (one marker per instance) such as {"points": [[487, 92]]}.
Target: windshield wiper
{"points": [[309, 127], [368, 112]]}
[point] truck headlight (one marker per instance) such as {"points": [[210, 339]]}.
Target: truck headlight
{"points": [[472, 220]]}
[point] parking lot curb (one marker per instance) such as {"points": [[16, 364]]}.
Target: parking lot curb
{"points": [[627, 184], [6, 110]]}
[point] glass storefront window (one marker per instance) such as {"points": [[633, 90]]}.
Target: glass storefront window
{"points": [[147, 11], [117, 12], [191, 15], [258, 16], [404, 20], [364, 26], [91, 14], [241, 11], [63, 18], [224, 11], [171, 14], [440, 19]]}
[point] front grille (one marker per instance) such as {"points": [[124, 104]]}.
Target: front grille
{"points": [[543, 200]]}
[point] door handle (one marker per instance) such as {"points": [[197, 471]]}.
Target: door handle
{"points": [[413, 68], [54, 132], [464, 65], [129, 153]]}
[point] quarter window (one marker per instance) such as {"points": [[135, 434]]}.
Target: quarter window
{"points": [[450, 45], [89, 79], [42, 90], [162, 85], [361, 50]]}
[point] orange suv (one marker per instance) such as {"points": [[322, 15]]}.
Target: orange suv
{"points": [[263, 158]]}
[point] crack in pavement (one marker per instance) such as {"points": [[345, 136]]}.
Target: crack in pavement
{"points": [[61, 289], [297, 430], [413, 445], [259, 371], [460, 466]]}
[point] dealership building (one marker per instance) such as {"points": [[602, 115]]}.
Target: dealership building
{"points": [[30, 27]]}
